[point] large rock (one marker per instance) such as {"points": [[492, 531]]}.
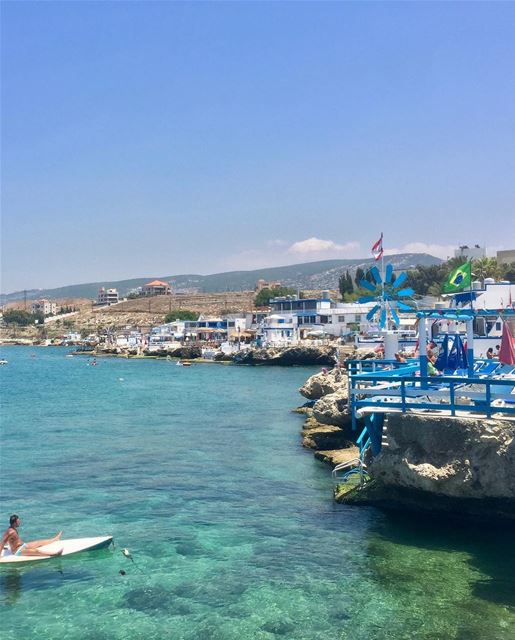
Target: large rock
{"points": [[188, 353], [298, 355], [455, 457], [324, 383], [322, 436], [333, 409]]}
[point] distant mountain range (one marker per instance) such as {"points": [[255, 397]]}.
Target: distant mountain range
{"points": [[307, 275]]}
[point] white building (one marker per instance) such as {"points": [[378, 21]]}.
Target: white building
{"points": [[506, 257], [489, 300], [107, 296], [46, 307], [491, 294], [279, 329], [293, 319], [166, 336]]}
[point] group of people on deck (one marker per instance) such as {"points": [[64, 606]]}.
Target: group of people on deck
{"points": [[491, 355]]}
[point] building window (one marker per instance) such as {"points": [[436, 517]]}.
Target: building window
{"points": [[341, 318]]}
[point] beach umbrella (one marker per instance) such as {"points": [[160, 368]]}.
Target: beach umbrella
{"points": [[507, 351]]}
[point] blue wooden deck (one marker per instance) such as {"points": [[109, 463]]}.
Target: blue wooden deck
{"points": [[383, 387]]}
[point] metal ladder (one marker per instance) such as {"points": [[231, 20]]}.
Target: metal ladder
{"points": [[352, 471]]}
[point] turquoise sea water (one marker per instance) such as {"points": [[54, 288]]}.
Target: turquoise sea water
{"points": [[200, 473]]}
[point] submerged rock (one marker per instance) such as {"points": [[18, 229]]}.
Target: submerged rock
{"points": [[149, 599]]}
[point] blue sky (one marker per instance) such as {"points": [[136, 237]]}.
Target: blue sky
{"points": [[149, 138]]}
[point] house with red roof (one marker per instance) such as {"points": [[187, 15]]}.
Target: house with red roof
{"points": [[156, 288]]}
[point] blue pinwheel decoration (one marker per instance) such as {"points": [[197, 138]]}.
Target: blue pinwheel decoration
{"points": [[386, 293]]}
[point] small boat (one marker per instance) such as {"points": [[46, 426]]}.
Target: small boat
{"points": [[4, 361], [73, 545]]}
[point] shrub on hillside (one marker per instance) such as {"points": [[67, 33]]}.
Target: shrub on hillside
{"points": [[181, 314]]}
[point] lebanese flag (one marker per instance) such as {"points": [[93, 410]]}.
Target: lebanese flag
{"points": [[377, 249]]}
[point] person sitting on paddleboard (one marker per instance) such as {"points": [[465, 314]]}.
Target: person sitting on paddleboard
{"points": [[19, 548]]}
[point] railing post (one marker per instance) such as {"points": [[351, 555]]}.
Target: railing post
{"points": [[352, 398], [403, 395], [451, 398]]}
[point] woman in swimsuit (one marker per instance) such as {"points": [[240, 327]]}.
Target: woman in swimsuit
{"points": [[19, 548]]}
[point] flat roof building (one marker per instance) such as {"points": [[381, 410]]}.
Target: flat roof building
{"points": [[506, 257]]}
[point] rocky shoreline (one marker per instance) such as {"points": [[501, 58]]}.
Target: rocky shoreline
{"points": [[327, 427], [270, 356], [457, 467]]}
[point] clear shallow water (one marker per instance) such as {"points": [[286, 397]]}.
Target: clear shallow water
{"points": [[200, 473]]}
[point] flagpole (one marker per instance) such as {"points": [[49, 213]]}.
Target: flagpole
{"points": [[382, 283], [470, 331]]}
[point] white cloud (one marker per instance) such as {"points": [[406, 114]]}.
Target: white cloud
{"points": [[276, 243], [443, 251], [319, 246], [277, 252]]}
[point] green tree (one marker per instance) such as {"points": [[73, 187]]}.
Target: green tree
{"points": [[181, 314], [487, 268], [350, 284], [342, 284], [508, 272], [360, 274], [345, 285], [22, 318], [262, 299]]}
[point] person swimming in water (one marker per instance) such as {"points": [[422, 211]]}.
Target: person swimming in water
{"points": [[17, 547]]}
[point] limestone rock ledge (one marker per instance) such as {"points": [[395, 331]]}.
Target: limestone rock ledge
{"points": [[461, 466], [331, 444], [321, 436]]}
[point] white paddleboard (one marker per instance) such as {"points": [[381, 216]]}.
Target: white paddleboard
{"points": [[74, 545]]}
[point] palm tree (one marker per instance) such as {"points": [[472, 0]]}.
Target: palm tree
{"points": [[486, 268]]}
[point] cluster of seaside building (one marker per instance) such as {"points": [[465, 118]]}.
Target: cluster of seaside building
{"points": [[291, 320]]}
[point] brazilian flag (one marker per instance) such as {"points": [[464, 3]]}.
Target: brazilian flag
{"points": [[460, 278]]}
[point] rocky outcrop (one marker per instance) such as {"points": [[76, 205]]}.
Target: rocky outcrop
{"points": [[327, 428], [463, 467], [322, 436], [333, 409], [455, 457], [337, 456], [323, 383], [223, 357], [330, 390], [298, 355], [184, 353]]}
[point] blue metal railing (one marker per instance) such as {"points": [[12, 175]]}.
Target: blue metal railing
{"points": [[414, 392]]}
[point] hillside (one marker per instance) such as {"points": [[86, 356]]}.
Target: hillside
{"points": [[308, 275]]}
